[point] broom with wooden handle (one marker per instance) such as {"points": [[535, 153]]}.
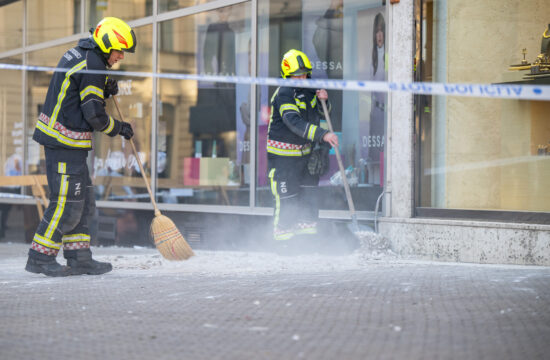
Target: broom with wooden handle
{"points": [[355, 228], [168, 240]]}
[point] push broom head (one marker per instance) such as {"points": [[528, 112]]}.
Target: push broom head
{"points": [[168, 240]]}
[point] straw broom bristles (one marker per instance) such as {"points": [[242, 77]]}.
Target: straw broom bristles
{"points": [[168, 239]]}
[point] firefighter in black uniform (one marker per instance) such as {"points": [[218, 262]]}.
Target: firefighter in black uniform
{"points": [[294, 129], [73, 109]]}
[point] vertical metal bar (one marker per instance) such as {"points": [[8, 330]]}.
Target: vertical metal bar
{"points": [[4, 127], [253, 111], [154, 102], [24, 92], [83, 15], [417, 115], [386, 203]]}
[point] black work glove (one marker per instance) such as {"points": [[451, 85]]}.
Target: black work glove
{"points": [[126, 131], [111, 88], [325, 160], [319, 160]]}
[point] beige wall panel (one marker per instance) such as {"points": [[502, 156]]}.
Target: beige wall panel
{"points": [[483, 39]]}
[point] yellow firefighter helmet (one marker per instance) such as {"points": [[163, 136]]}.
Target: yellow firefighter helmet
{"points": [[114, 34], [295, 62]]}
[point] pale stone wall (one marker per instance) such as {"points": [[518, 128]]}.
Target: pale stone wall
{"points": [[400, 126], [469, 241]]}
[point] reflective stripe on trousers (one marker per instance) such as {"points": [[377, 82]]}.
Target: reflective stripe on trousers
{"points": [[71, 202], [289, 180]]}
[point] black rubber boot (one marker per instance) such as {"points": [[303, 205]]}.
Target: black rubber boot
{"points": [[80, 262], [39, 263]]}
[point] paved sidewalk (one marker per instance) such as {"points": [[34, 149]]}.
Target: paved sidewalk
{"points": [[237, 305]]}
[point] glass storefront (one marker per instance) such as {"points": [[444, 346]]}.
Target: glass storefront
{"points": [[126, 10], [11, 25], [343, 40], [116, 174], [11, 122], [481, 153], [207, 138], [204, 127], [201, 139], [52, 19], [169, 5], [36, 89]]}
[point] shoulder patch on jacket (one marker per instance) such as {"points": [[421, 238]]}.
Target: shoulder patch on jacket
{"points": [[75, 52]]}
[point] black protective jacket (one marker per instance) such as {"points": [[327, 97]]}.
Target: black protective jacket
{"points": [[294, 123], [75, 104]]}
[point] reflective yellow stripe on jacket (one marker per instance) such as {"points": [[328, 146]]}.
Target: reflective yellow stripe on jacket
{"points": [[64, 135], [110, 127], [63, 91], [301, 104], [284, 107], [88, 90], [285, 149], [311, 132]]}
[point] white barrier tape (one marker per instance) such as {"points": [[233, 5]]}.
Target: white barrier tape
{"points": [[505, 91]]}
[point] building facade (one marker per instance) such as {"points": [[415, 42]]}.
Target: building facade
{"points": [[454, 177]]}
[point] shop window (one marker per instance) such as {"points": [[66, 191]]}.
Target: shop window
{"points": [[37, 87], [12, 133], [52, 19], [11, 29], [126, 10], [116, 173], [204, 126], [323, 29], [482, 154], [169, 5]]}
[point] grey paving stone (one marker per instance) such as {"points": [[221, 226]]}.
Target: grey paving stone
{"points": [[264, 306]]}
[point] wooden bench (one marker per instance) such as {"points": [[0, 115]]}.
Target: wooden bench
{"points": [[36, 182]]}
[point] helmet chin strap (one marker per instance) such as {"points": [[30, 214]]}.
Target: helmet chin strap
{"points": [[106, 56]]}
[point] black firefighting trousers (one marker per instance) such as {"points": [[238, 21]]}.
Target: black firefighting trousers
{"points": [[292, 187], [72, 201]]}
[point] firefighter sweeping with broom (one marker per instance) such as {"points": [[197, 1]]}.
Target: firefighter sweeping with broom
{"points": [[297, 150], [73, 109]]}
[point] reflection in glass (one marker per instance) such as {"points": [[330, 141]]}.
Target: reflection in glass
{"points": [[478, 153], [359, 119], [52, 19], [116, 173], [11, 25], [126, 10], [168, 5], [37, 87], [12, 135], [203, 139]]}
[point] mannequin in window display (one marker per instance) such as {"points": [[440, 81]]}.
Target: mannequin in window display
{"points": [[328, 41], [376, 138], [219, 46], [215, 110]]}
